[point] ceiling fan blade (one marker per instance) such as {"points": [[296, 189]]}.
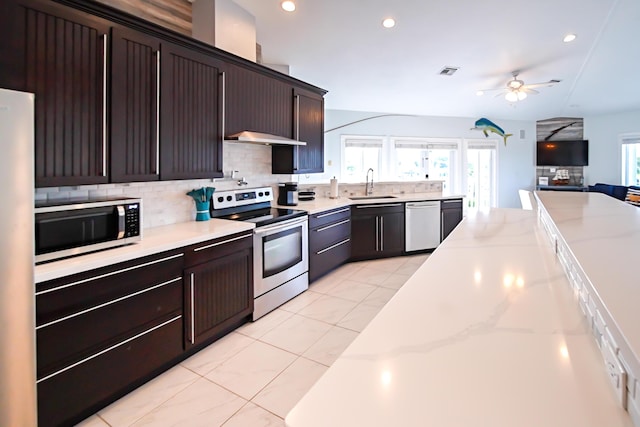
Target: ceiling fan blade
{"points": [[542, 84], [529, 91]]}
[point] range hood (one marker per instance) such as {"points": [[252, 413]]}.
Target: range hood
{"points": [[262, 139]]}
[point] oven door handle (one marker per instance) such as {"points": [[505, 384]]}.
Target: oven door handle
{"points": [[284, 225]]}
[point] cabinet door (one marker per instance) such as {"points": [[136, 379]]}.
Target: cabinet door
{"points": [[219, 293], [364, 235], [65, 56], [190, 136], [256, 102], [392, 233], [135, 105], [308, 126], [451, 216]]}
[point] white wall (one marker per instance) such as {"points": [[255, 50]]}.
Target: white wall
{"points": [[604, 150], [516, 165]]}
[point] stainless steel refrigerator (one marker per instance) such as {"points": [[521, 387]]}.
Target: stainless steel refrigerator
{"points": [[17, 300]]}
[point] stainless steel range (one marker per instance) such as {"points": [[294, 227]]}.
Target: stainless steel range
{"points": [[280, 244]]}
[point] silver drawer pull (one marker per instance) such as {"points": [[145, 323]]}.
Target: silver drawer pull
{"points": [[222, 243], [108, 303], [332, 213], [93, 356], [102, 276], [333, 225], [333, 246], [192, 339]]}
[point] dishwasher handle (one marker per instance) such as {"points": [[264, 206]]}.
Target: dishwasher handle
{"points": [[423, 205]]}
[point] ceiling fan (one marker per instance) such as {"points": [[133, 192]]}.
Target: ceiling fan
{"points": [[516, 90]]}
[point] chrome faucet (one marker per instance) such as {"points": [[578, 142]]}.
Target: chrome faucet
{"points": [[368, 189]]}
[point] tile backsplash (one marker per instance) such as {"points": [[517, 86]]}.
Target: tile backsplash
{"points": [[166, 202]]}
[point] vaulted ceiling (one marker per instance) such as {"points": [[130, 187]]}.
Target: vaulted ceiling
{"points": [[340, 45]]}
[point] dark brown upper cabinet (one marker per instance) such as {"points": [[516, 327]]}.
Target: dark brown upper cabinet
{"points": [[65, 64], [256, 102], [308, 126], [190, 114], [135, 106]]}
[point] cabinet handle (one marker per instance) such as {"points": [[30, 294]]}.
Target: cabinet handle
{"points": [[377, 234], [79, 282], [333, 246], [441, 226], [223, 76], [332, 225], [105, 44], [222, 243], [108, 303], [106, 350], [193, 309], [381, 233], [158, 112], [332, 213]]}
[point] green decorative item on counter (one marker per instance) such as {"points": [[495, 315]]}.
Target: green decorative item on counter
{"points": [[202, 197]]}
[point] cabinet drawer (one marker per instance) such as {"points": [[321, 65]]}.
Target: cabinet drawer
{"points": [[329, 217], [65, 341], [206, 251], [67, 396], [377, 209], [57, 299], [323, 261], [323, 237], [451, 204]]}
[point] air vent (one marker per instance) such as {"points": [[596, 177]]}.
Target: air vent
{"points": [[448, 71]]}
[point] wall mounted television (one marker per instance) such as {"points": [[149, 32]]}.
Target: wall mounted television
{"points": [[562, 153]]}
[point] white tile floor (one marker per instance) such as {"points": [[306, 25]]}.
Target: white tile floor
{"points": [[253, 376]]}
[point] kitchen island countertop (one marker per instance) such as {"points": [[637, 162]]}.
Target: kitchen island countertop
{"points": [[485, 333]]}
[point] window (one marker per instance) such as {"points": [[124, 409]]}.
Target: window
{"points": [[482, 174], [360, 154], [419, 158], [630, 147]]}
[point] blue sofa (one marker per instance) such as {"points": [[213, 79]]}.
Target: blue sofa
{"points": [[617, 191]]}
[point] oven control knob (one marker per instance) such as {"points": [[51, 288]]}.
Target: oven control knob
{"points": [[220, 199], [261, 194], [266, 193], [229, 198]]}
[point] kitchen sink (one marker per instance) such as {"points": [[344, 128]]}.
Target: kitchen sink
{"points": [[371, 197]]}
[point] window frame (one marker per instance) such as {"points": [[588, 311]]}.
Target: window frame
{"points": [[626, 139]]}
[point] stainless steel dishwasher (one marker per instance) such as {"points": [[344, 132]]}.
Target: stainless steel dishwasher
{"points": [[422, 226]]}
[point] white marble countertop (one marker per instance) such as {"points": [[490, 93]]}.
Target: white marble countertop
{"points": [[154, 240], [323, 204], [485, 333], [603, 234]]}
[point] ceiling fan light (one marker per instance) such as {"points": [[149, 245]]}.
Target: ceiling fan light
{"points": [[511, 97], [288, 5], [521, 95]]}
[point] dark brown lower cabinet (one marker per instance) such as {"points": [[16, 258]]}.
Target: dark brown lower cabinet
{"points": [[101, 333], [450, 216], [218, 288], [329, 240], [377, 230]]}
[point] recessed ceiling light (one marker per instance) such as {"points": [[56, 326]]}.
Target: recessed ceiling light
{"points": [[288, 5], [479, 93], [569, 38], [389, 23]]}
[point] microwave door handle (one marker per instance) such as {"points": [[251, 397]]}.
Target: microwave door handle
{"points": [[120, 222]]}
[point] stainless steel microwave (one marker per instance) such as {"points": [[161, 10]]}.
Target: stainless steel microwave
{"points": [[68, 228]]}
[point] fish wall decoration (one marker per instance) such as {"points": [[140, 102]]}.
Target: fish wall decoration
{"points": [[486, 126]]}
